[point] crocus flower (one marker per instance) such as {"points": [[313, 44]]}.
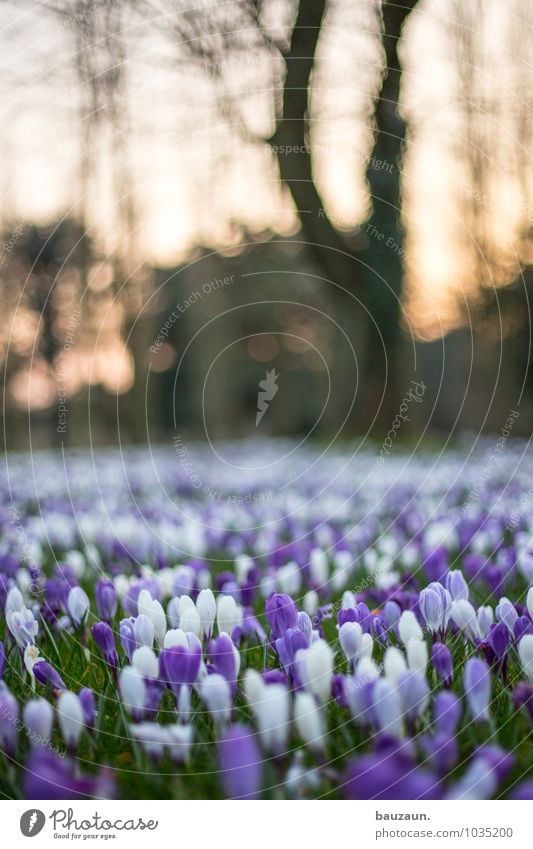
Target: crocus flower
{"points": [[23, 626], [441, 658], [127, 637], [78, 605], [476, 681], [408, 627], [435, 604], [387, 708], [309, 720], [281, 613], [179, 668], [394, 663], [525, 653], [144, 631], [145, 660], [180, 741], [288, 646], [456, 585], [315, 669], [270, 706], [152, 608], [133, 691], [105, 640], [351, 638], [391, 777], [207, 610], [48, 676], [2, 659], [499, 639], [86, 697], [446, 713], [9, 712], [50, 777], [506, 612], [414, 693], [240, 763], [70, 717], [215, 692], [464, 616], [229, 614], [106, 599], [417, 655], [38, 717], [225, 658]]}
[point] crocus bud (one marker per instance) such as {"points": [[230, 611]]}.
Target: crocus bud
{"points": [[315, 669], [318, 567], [272, 714], [23, 626], [78, 605], [240, 763], [133, 691], [9, 712], [225, 658], [435, 603], [387, 708], [442, 662], [476, 680], [145, 660], [175, 637], [506, 612], [417, 655], [456, 585], [106, 599], [529, 602], [189, 616], [70, 717], [464, 616], [281, 613], [153, 609], [446, 714], [144, 631], [38, 717], [14, 603], [215, 692], [180, 740], [351, 638], [485, 618], [48, 676], [309, 721], [414, 693], [408, 627], [173, 612], [206, 606], [525, 653], [179, 668], [105, 640], [86, 697], [127, 637], [228, 614], [394, 663]]}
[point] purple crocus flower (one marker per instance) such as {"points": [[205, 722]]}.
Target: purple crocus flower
{"points": [[105, 640], [240, 763], [523, 697], [456, 585], [287, 646], [106, 599], [441, 752], [50, 777], [127, 637], [499, 639], [522, 626], [225, 659], [389, 777], [476, 680], [441, 658], [86, 697], [446, 714], [281, 613], [179, 669], [48, 676]]}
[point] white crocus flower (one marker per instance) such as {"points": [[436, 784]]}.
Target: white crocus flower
{"points": [[394, 663], [78, 605], [215, 692], [309, 720], [464, 616], [409, 628], [229, 614], [132, 689], [70, 717], [175, 637], [525, 653], [144, 631], [388, 708], [417, 655], [154, 610], [145, 660], [206, 606], [315, 669]]}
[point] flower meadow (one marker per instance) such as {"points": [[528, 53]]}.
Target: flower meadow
{"points": [[270, 620]]}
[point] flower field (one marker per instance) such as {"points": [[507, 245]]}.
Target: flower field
{"points": [[281, 621]]}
